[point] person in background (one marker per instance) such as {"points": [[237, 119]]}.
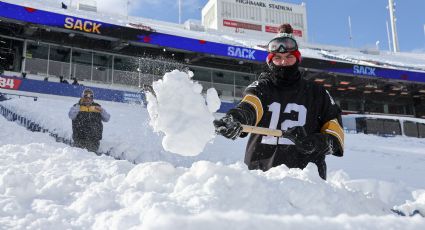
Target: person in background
{"points": [[61, 80], [87, 117], [281, 99], [3, 97], [2, 65], [74, 82]]}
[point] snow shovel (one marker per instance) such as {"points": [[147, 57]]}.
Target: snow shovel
{"points": [[245, 128]]}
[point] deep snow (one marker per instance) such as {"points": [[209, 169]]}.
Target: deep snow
{"points": [[49, 185]]}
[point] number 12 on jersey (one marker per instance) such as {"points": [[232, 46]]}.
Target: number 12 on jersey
{"points": [[274, 108]]}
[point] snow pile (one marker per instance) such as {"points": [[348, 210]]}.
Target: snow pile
{"points": [[414, 207], [395, 159], [48, 185], [213, 101], [181, 113], [44, 114], [126, 136]]}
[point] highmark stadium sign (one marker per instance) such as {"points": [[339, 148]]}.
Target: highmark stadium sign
{"points": [[263, 4]]}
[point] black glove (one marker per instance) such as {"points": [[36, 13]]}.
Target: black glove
{"points": [[228, 127], [313, 144]]}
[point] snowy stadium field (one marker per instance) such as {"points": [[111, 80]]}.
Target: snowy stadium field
{"points": [[49, 185]]}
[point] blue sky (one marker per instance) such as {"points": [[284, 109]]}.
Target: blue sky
{"points": [[327, 20]]}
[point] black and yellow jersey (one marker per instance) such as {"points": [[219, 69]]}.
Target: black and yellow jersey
{"points": [[274, 104], [88, 122]]}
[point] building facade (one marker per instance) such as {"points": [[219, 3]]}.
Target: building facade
{"points": [[254, 17], [52, 44]]}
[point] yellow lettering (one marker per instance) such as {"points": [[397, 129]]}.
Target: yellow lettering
{"points": [[87, 29], [78, 25], [86, 26], [69, 23], [96, 28]]}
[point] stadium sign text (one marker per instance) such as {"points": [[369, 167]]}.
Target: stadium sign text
{"points": [[262, 4], [9, 83], [241, 52], [364, 70], [82, 25]]}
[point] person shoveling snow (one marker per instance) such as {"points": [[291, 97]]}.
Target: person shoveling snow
{"points": [[282, 99]]}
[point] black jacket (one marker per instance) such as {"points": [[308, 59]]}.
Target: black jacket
{"points": [[275, 103], [88, 123]]}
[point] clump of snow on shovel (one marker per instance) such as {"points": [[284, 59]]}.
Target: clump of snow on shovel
{"points": [[180, 112]]}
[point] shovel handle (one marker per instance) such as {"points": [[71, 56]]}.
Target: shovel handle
{"points": [[262, 131]]}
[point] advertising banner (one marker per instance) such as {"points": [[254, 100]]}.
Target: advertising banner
{"points": [[47, 18], [275, 29], [10, 83], [56, 88], [242, 25], [368, 71]]}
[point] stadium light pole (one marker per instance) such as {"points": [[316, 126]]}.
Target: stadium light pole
{"points": [[424, 30], [180, 11], [351, 34], [388, 37], [127, 4], [393, 19]]}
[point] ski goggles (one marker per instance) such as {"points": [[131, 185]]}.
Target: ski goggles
{"points": [[88, 95], [282, 45]]}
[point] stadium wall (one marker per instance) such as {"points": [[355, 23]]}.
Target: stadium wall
{"points": [[151, 37], [60, 89]]}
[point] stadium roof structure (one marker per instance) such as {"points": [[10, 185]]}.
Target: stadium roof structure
{"points": [[354, 62]]}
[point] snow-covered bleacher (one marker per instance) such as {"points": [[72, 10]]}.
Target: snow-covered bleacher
{"points": [[384, 125]]}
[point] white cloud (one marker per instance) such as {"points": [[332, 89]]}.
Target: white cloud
{"points": [[114, 6], [120, 6]]}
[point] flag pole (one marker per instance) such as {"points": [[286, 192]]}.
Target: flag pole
{"points": [[388, 37], [351, 34], [128, 3], [180, 12], [391, 8]]}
